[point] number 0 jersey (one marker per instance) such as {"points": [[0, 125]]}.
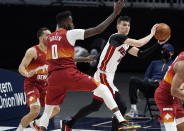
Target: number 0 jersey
{"points": [[60, 48]]}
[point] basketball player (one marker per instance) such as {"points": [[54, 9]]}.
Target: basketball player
{"points": [[64, 75], [34, 68], [116, 48], [167, 96]]}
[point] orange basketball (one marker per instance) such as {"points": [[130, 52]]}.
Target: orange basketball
{"points": [[163, 31]]}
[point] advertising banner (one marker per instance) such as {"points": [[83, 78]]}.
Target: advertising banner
{"points": [[12, 96]]}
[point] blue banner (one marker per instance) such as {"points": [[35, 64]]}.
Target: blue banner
{"points": [[12, 96]]}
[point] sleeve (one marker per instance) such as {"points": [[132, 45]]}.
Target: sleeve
{"points": [[148, 72], [75, 34], [144, 53], [117, 40]]}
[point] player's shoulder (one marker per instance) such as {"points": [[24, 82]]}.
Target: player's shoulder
{"points": [[116, 35], [31, 51], [117, 39], [178, 66]]}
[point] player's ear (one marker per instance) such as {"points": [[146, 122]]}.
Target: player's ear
{"points": [[117, 26]]}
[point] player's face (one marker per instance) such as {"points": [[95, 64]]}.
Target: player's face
{"points": [[45, 35], [123, 27], [70, 24]]}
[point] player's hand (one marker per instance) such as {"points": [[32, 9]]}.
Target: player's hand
{"points": [[30, 74], [153, 29], [90, 58], [162, 42], [118, 6]]}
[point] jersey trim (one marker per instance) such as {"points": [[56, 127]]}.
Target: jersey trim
{"points": [[41, 50], [60, 29], [103, 79], [108, 56], [117, 40]]}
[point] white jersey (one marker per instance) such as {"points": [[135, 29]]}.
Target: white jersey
{"points": [[111, 57]]}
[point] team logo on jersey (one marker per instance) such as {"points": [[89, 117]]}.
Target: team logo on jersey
{"points": [[39, 54], [32, 99], [122, 51], [42, 69], [168, 116]]}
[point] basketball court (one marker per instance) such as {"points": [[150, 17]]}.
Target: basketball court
{"points": [[100, 120]]}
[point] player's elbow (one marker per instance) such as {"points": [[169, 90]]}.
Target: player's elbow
{"points": [[140, 44], [99, 30], [20, 69]]}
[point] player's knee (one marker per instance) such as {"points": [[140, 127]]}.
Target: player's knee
{"points": [[101, 89], [57, 109], [35, 111]]}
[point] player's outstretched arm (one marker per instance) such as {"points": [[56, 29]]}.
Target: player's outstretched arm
{"points": [[89, 58], [29, 56], [102, 26], [176, 89], [144, 53], [141, 42]]}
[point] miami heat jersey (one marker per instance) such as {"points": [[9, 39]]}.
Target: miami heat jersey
{"points": [[166, 82], [112, 55], [38, 64], [60, 48]]}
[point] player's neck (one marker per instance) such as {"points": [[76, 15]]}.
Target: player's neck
{"points": [[42, 47], [121, 33]]}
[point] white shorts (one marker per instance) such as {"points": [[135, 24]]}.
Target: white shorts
{"points": [[106, 79]]}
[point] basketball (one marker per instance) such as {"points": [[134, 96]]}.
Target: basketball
{"points": [[163, 31]]}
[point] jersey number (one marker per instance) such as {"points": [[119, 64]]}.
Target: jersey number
{"points": [[54, 52]]}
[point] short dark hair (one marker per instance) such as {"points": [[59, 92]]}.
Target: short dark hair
{"points": [[40, 31], [123, 18], [62, 16]]}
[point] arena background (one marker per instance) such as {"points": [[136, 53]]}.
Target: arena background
{"points": [[19, 24]]}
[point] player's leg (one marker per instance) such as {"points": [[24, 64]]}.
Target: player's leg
{"points": [[87, 83], [167, 111], [92, 107], [168, 118], [107, 79], [33, 102], [53, 100], [180, 127], [36, 123], [179, 116], [34, 112], [122, 107], [103, 92], [56, 91], [44, 120]]}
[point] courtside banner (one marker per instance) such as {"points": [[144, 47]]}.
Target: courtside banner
{"points": [[12, 97]]}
